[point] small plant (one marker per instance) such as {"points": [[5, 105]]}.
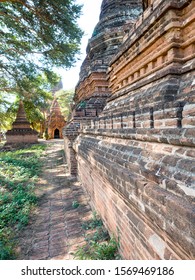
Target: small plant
{"points": [[75, 204], [101, 234], [98, 251], [99, 244], [93, 223], [6, 244]]}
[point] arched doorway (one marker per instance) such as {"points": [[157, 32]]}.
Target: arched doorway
{"points": [[56, 133]]}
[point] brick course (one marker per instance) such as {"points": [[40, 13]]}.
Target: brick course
{"points": [[135, 158]]}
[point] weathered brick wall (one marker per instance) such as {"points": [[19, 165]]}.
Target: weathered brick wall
{"points": [[136, 159], [70, 133], [143, 190], [21, 138]]}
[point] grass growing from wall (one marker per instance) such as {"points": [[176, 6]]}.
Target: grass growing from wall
{"points": [[19, 171], [99, 245]]}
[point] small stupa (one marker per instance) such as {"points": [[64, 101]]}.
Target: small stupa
{"points": [[21, 131]]}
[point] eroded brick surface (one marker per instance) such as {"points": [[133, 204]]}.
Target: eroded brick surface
{"points": [[135, 157]]}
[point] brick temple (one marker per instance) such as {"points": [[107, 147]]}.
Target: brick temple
{"points": [[55, 121], [131, 138], [21, 132]]}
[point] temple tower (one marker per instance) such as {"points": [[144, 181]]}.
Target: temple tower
{"points": [[55, 121], [116, 19], [136, 158], [21, 131]]}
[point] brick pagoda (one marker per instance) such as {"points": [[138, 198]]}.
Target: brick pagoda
{"points": [[55, 121], [115, 19], [92, 90], [136, 157], [21, 132]]}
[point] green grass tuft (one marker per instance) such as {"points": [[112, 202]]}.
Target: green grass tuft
{"points": [[99, 245], [98, 251]]}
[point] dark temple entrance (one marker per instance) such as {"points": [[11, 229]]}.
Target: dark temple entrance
{"points": [[56, 133]]}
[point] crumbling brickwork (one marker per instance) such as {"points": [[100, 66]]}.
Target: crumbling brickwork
{"points": [[136, 158]]}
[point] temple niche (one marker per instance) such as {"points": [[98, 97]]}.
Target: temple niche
{"points": [[21, 132], [55, 121]]}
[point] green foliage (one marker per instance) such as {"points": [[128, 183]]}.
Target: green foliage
{"points": [[36, 36], [36, 101], [98, 251], [6, 244], [65, 99], [93, 223], [18, 173], [101, 234], [6, 116], [75, 204], [99, 244]]}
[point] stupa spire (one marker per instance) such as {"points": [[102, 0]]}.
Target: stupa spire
{"points": [[21, 119], [116, 18], [55, 121], [21, 131]]}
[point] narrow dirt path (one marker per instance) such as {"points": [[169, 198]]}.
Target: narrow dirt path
{"points": [[55, 229]]}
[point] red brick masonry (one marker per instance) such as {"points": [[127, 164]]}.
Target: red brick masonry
{"points": [[136, 157]]}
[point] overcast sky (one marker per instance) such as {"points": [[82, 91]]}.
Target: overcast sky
{"points": [[87, 22]]}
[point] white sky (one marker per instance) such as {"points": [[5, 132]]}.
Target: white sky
{"points": [[87, 22]]}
